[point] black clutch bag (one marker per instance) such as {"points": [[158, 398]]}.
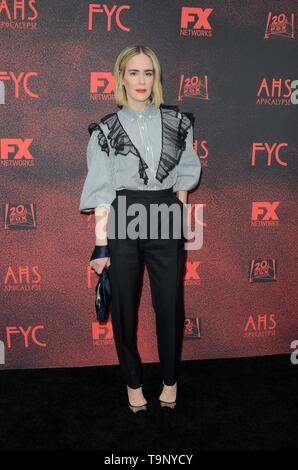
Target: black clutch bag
{"points": [[103, 294]]}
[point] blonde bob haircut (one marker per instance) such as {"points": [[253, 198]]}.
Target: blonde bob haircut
{"points": [[156, 97]]}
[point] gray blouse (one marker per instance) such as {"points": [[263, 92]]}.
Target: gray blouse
{"points": [[152, 149]]}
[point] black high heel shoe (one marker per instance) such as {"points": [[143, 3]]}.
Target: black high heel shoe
{"points": [[167, 408], [139, 410]]}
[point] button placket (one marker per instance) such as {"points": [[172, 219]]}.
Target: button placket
{"points": [[143, 122], [144, 135], [153, 163], [152, 168]]}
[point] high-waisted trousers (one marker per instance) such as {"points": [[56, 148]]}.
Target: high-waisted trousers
{"points": [[165, 262]]}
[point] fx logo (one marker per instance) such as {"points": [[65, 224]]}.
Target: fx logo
{"points": [[103, 80], [197, 16], [18, 147], [264, 210]]}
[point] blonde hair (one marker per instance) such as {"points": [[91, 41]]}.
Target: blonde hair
{"points": [[156, 97]]}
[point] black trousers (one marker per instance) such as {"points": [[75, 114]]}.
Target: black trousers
{"points": [[165, 263]]}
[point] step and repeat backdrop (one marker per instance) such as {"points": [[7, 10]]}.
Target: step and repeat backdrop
{"points": [[233, 64]]}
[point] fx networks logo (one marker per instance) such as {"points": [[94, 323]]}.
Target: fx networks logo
{"points": [[280, 25], [15, 152], [193, 87], [19, 216], [24, 336], [22, 279], [263, 214], [262, 270], [262, 325], [195, 22], [102, 333], [192, 329], [18, 14], [107, 16], [102, 86], [192, 275], [268, 153], [278, 92], [19, 83]]}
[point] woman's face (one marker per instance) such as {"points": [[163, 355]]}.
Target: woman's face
{"points": [[138, 79]]}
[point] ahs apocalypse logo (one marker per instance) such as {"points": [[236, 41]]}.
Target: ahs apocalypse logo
{"points": [[23, 278], [278, 92], [262, 324], [18, 15]]}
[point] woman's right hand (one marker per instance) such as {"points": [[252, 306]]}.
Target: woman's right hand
{"points": [[98, 264]]}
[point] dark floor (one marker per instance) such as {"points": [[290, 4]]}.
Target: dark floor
{"points": [[248, 403]]}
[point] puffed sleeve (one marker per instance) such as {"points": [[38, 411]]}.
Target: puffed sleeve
{"points": [[189, 166], [98, 188]]}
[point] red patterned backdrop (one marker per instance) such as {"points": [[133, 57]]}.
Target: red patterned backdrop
{"points": [[234, 65]]}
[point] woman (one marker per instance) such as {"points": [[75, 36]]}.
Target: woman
{"points": [[144, 154]]}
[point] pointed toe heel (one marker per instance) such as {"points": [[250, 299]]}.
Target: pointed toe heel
{"points": [[139, 410], [167, 408]]}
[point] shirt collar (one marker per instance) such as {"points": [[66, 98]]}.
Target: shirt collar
{"points": [[149, 112]]}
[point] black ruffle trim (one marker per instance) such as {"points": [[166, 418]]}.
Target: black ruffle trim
{"points": [[174, 132], [122, 144], [175, 127], [101, 138]]}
